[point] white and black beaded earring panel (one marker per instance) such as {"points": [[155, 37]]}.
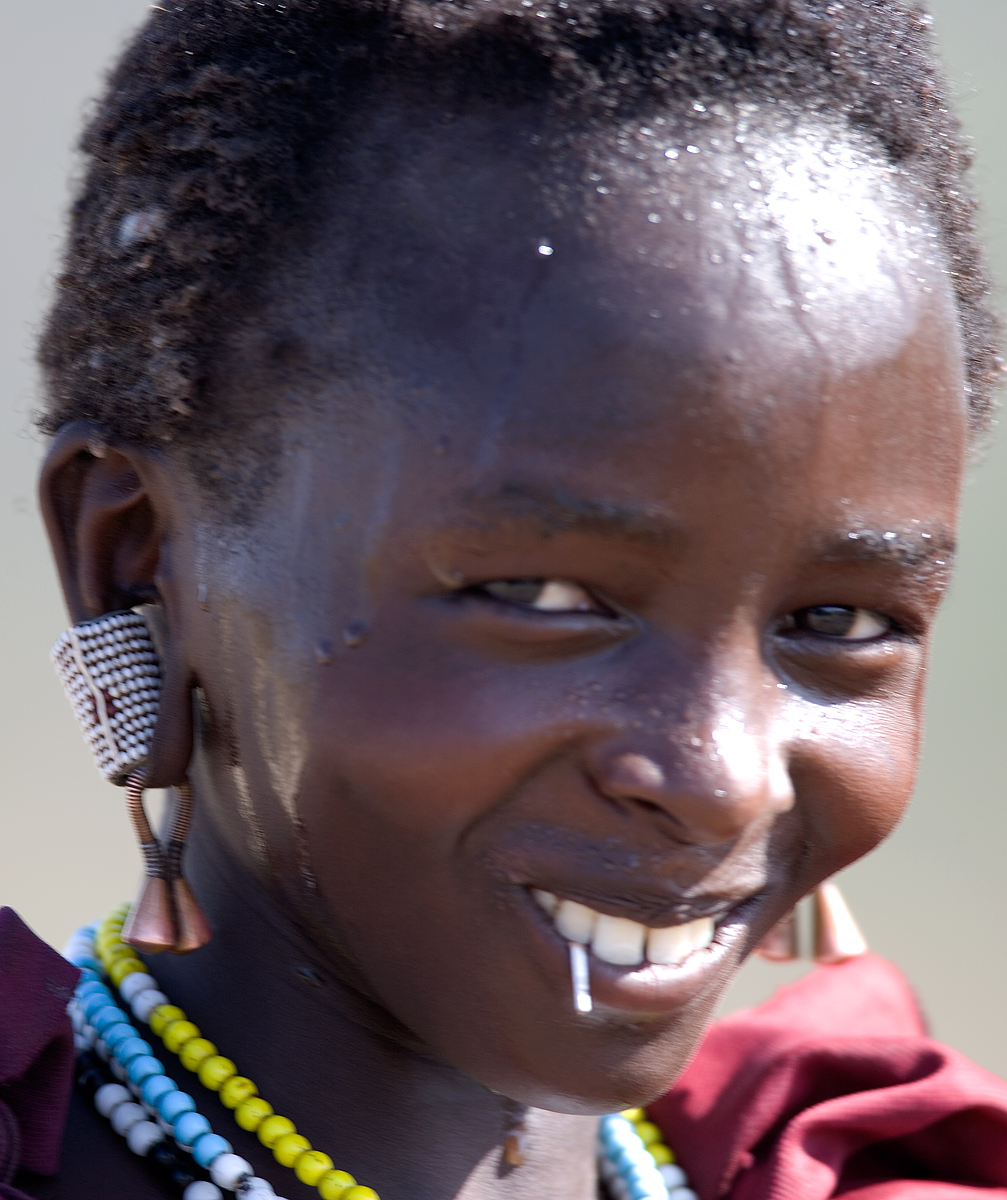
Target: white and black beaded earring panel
{"points": [[109, 669]]}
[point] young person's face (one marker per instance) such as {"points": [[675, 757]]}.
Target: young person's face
{"points": [[602, 560]]}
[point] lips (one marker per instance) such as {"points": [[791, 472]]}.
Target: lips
{"points": [[621, 941]]}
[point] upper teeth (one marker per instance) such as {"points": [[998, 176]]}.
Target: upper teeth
{"points": [[621, 941]]}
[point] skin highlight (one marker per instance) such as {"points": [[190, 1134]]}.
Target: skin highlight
{"points": [[388, 756]]}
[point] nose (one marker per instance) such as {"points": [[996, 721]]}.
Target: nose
{"points": [[709, 786]]}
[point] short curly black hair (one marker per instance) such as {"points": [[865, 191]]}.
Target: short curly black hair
{"points": [[205, 138]]}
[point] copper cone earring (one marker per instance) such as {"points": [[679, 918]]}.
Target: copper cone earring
{"points": [[837, 937], [781, 944], [165, 915], [109, 669]]}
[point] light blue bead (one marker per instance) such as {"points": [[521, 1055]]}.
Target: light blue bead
{"points": [[95, 1001], [131, 1048], [89, 976], [114, 1034], [156, 1086], [173, 1104], [90, 987], [85, 960], [208, 1147], [106, 1017], [189, 1127], [143, 1067]]}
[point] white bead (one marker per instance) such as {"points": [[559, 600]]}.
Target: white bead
{"points": [[228, 1170], [142, 1137], [139, 981], [673, 1175], [125, 1116], [682, 1194], [109, 1096], [202, 1190], [117, 1069], [90, 1036], [145, 1003], [77, 1018], [256, 1189], [102, 1050]]}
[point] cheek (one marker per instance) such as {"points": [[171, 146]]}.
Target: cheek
{"points": [[853, 776], [425, 742]]}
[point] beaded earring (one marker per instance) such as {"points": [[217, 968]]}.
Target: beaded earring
{"points": [[837, 937], [110, 671]]}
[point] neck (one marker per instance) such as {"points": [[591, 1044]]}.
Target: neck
{"points": [[353, 1081]]}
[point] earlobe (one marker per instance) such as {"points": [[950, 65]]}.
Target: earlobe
{"points": [[108, 538]]}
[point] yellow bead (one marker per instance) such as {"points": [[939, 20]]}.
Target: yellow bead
{"points": [[359, 1193], [193, 1053], [107, 938], [273, 1128], [236, 1091], [660, 1153], [215, 1071], [116, 950], [289, 1148], [252, 1112], [311, 1166], [633, 1114], [648, 1132], [162, 1016], [178, 1033], [123, 967], [333, 1183]]}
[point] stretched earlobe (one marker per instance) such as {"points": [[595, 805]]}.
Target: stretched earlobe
{"points": [[109, 667], [107, 535]]}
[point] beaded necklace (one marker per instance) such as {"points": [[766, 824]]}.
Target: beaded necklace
{"points": [[119, 1070]]}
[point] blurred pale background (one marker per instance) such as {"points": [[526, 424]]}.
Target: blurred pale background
{"points": [[934, 898]]}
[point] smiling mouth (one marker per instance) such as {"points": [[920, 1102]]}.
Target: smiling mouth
{"points": [[622, 942]]}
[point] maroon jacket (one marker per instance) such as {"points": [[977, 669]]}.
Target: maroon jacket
{"points": [[830, 1089]]}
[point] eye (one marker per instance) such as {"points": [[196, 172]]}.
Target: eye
{"points": [[543, 595], [841, 621]]}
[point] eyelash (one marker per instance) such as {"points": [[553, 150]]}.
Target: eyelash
{"points": [[555, 591]]}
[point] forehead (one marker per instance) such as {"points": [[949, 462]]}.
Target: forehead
{"points": [[777, 282], [480, 230]]}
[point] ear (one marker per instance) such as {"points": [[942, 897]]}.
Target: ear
{"points": [[110, 529]]}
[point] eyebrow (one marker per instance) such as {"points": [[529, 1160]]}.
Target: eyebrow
{"points": [[907, 548], [554, 510]]}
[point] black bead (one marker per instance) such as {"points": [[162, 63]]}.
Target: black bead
{"points": [[181, 1177], [89, 1082], [164, 1160], [89, 1061]]}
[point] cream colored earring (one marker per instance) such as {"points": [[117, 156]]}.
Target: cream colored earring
{"points": [[837, 938], [110, 671]]}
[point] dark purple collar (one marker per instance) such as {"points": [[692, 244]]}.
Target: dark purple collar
{"points": [[36, 1050]]}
